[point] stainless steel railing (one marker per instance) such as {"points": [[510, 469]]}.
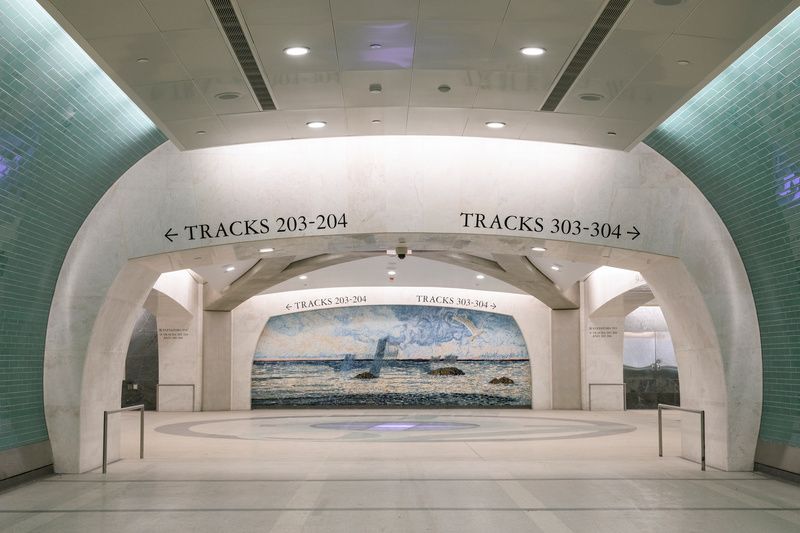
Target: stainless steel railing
{"points": [[105, 431], [702, 430], [624, 393]]}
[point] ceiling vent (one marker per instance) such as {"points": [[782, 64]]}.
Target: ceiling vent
{"points": [[230, 24], [602, 26]]}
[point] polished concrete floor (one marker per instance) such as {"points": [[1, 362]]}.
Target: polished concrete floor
{"points": [[402, 471]]}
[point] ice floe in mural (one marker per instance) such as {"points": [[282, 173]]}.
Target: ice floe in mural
{"points": [[391, 355]]}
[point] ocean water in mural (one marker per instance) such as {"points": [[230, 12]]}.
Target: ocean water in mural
{"points": [[391, 355]]}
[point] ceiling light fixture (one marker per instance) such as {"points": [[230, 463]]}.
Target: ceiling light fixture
{"points": [[480, 276], [376, 121], [391, 272], [266, 250], [443, 88], [230, 95], [316, 124], [376, 46], [375, 88], [683, 62], [495, 125], [296, 50], [532, 51], [555, 267], [539, 249], [200, 132], [303, 277], [591, 97], [667, 2], [612, 133], [143, 60], [230, 268]]}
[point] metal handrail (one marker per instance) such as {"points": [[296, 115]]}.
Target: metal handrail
{"points": [[702, 414], [158, 407], [105, 432], [624, 393]]}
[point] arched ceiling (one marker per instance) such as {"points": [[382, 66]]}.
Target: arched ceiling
{"points": [[611, 72]]}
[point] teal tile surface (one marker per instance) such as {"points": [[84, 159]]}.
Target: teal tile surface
{"points": [[67, 132], [738, 140]]}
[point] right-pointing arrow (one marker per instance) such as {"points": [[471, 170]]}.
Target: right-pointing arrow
{"points": [[635, 233]]}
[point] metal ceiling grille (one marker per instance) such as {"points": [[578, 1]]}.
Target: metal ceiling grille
{"points": [[608, 17], [244, 54]]}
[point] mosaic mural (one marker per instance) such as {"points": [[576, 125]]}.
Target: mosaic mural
{"points": [[391, 355]]}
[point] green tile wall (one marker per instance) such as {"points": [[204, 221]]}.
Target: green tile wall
{"points": [[66, 134], [739, 142]]}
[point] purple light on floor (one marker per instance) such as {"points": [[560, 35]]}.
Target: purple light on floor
{"points": [[393, 426]]}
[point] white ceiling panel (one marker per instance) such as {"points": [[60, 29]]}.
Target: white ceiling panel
{"points": [[454, 45], [298, 90], [425, 85], [584, 11], [515, 123], [703, 54], [106, 18], [296, 121], [730, 19], [396, 38], [360, 120], [174, 100], [647, 16], [215, 132], [504, 89], [256, 127], [170, 15], [122, 52], [395, 84], [263, 12], [374, 10], [492, 11], [204, 53], [583, 130], [272, 40], [436, 121], [210, 88], [558, 38]]}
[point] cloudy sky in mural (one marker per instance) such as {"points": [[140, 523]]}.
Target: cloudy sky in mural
{"points": [[417, 332]]}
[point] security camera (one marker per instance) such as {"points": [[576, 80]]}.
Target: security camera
{"points": [[401, 252]]}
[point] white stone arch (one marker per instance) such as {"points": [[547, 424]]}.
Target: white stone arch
{"points": [[411, 188]]}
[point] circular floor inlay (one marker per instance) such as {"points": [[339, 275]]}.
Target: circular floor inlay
{"points": [[400, 428], [397, 425]]}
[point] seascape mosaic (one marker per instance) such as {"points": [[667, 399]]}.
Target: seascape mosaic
{"points": [[391, 356]]}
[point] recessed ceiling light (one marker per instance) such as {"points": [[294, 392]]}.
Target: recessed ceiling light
{"points": [[303, 277], [143, 60], [443, 88], [266, 250], [375, 88], [591, 97], [612, 133], [532, 51], [495, 125], [391, 272], [667, 2], [376, 121], [316, 124], [230, 268], [480, 276], [683, 62], [539, 249], [230, 95], [296, 50], [555, 267], [376, 46], [200, 132]]}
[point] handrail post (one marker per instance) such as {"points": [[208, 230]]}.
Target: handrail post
{"points": [[141, 433], [660, 438], [702, 440], [105, 431]]}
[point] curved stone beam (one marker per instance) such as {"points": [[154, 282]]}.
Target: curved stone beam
{"points": [[515, 270], [269, 272]]}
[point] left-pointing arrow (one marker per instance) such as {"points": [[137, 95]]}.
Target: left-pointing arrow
{"points": [[169, 235], [288, 307]]}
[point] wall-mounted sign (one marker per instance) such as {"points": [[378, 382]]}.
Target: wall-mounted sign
{"points": [[173, 333], [258, 226], [317, 303], [548, 226], [603, 332], [473, 303]]}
